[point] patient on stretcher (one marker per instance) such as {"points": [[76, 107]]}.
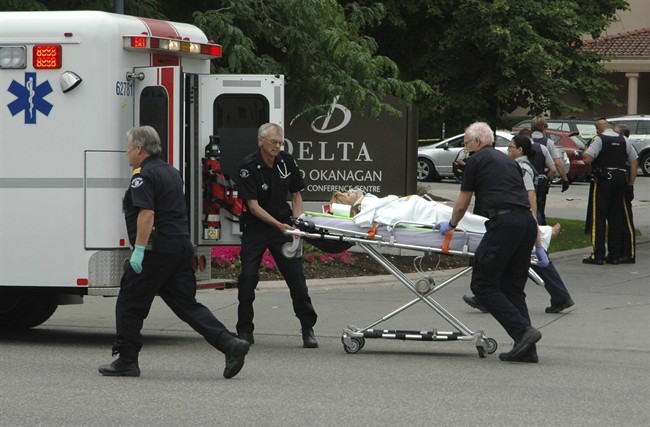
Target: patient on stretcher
{"points": [[367, 209]]}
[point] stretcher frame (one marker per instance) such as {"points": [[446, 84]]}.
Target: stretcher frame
{"points": [[353, 338]]}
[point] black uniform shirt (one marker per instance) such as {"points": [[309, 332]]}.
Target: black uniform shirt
{"points": [[157, 186], [495, 179], [270, 186]]}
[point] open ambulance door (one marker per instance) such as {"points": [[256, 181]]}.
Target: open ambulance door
{"points": [[158, 101], [232, 107]]}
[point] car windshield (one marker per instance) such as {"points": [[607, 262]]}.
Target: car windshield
{"points": [[587, 130]]}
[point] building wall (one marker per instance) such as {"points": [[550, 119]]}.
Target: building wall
{"points": [[637, 17]]}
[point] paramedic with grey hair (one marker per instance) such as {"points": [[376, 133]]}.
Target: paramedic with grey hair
{"points": [[266, 178], [161, 263], [502, 259]]}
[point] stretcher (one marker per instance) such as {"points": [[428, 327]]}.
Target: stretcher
{"points": [[340, 233]]}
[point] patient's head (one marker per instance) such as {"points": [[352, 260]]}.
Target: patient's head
{"points": [[351, 197], [346, 197]]}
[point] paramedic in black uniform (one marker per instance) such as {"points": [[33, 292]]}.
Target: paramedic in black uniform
{"points": [[266, 178], [502, 259], [161, 263], [609, 155]]}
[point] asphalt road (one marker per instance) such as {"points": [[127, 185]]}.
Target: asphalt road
{"points": [[593, 371]]}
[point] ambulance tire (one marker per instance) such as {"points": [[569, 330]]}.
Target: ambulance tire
{"points": [[23, 309]]}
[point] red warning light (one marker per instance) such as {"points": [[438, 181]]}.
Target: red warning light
{"points": [[47, 56]]}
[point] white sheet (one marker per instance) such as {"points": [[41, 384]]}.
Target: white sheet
{"points": [[390, 210]]}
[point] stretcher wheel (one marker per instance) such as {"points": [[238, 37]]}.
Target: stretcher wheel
{"points": [[356, 345], [491, 345]]}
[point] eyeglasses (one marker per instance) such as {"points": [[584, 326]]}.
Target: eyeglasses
{"points": [[275, 142], [512, 146]]}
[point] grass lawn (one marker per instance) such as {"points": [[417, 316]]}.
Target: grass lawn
{"points": [[572, 235]]}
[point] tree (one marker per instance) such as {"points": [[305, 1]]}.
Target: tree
{"points": [[319, 45], [486, 58]]}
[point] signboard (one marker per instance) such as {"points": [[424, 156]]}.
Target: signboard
{"points": [[342, 150]]}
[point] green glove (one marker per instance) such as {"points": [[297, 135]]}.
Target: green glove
{"points": [[136, 258]]}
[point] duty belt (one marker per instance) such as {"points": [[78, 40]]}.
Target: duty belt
{"points": [[617, 169], [494, 213]]}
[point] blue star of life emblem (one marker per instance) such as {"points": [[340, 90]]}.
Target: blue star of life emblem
{"points": [[30, 98]]}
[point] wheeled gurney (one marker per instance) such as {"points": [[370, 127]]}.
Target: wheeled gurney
{"points": [[340, 233]]}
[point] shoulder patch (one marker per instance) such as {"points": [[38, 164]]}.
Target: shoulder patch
{"points": [[244, 173], [136, 182]]}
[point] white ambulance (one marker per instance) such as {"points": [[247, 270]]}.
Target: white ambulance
{"points": [[71, 85]]}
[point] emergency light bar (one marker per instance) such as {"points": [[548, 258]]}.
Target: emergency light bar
{"points": [[170, 46]]}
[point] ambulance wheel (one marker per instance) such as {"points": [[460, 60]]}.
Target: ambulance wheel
{"points": [[357, 344], [23, 309]]}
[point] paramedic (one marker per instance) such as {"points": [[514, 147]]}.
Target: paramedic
{"points": [[161, 263], [609, 154], [521, 149], [502, 259], [266, 178]]}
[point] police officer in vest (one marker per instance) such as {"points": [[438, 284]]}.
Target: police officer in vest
{"points": [[266, 178], [502, 258], [538, 126], [161, 263], [609, 154]]}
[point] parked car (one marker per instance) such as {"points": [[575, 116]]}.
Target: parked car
{"points": [[586, 128], [639, 126], [435, 160], [573, 145]]}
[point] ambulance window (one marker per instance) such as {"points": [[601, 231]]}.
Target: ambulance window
{"points": [[236, 118], [153, 112]]}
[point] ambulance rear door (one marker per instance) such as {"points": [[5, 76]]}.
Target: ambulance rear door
{"points": [[232, 107], [158, 102]]}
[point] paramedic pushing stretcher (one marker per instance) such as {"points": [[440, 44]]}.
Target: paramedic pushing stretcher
{"points": [[266, 178], [502, 259], [161, 263]]}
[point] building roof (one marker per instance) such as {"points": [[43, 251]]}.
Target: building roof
{"points": [[630, 44]]}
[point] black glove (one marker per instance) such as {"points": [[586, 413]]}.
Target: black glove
{"points": [[565, 186], [629, 193]]}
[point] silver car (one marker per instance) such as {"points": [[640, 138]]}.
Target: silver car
{"points": [[639, 126], [435, 160]]}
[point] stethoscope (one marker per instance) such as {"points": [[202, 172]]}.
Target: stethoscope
{"points": [[284, 173]]}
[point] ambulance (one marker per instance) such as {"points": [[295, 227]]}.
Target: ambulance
{"points": [[72, 84]]}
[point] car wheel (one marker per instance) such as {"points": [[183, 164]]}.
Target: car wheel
{"points": [[644, 163], [426, 170]]}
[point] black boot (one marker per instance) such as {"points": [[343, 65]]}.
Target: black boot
{"points": [[235, 350], [308, 339], [124, 366]]}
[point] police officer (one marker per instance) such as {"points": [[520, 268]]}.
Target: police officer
{"points": [[502, 259], [628, 237], [161, 263], [609, 154], [266, 178], [538, 127]]}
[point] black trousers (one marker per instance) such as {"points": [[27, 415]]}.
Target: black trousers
{"points": [[628, 238], [254, 244], [606, 221], [170, 275], [501, 263], [553, 283]]}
